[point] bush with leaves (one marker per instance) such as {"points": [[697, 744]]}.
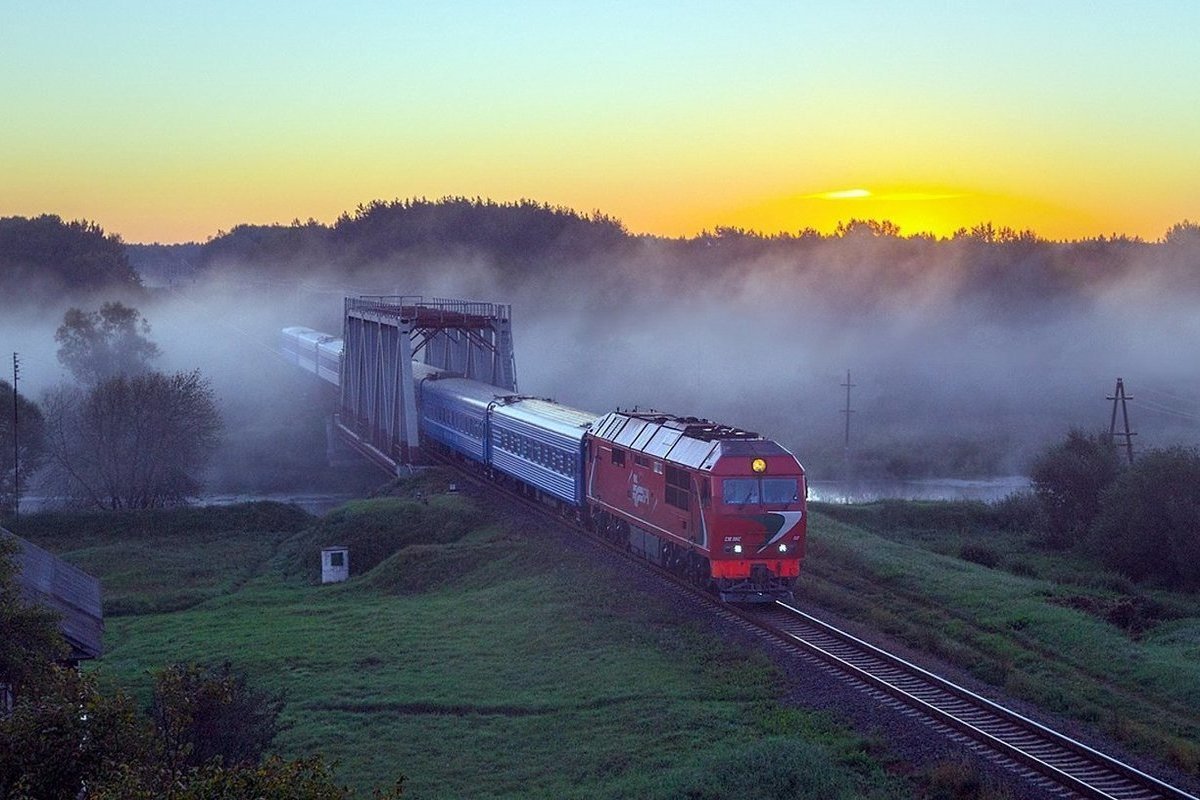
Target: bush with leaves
{"points": [[205, 738], [63, 733], [29, 637], [1068, 480], [273, 779], [205, 715], [64, 736], [1149, 522]]}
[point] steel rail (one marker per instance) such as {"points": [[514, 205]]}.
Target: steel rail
{"points": [[1066, 761], [1091, 774]]}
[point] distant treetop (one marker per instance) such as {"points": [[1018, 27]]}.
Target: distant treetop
{"points": [[44, 255]]}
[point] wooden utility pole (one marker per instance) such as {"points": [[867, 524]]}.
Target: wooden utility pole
{"points": [[848, 411], [16, 441], [1119, 397]]}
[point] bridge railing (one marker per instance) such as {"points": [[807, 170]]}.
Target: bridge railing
{"points": [[427, 307]]}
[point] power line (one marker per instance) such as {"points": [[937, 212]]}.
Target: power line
{"points": [[1159, 408], [1177, 398]]}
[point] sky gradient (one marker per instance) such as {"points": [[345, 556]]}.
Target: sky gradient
{"points": [[169, 121]]}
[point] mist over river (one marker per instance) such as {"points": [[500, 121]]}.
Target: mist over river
{"points": [[988, 490]]}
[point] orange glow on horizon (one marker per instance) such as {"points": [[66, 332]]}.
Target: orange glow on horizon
{"points": [[936, 210]]}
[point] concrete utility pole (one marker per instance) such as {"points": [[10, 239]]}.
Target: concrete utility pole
{"points": [[1119, 396], [16, 441]]}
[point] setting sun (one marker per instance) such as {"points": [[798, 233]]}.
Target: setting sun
{"points": [[844, 194]]}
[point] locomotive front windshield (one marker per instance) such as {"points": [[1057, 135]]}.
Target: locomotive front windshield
{"points": [[760, 491]]}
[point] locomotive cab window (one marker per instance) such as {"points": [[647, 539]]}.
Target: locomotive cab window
{"points": [[780, 490], [759, 491], [618, 457]]}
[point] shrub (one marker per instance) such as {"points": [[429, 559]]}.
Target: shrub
{"points": [[1020, 512], [1069, 479], [979, 554], [1149, 522], [206, 714]]}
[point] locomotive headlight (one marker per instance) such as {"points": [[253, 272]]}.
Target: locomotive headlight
{"points": [[759, 465], [737, 548], [783, 548]]}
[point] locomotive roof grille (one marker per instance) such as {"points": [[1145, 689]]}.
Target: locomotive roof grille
{"points": [[693, 427]]}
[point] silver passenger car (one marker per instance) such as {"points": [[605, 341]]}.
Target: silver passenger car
{"points": [[316, 352], [541, 443]]}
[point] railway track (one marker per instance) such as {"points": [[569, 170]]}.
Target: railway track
{"points": [[1055, 760]]}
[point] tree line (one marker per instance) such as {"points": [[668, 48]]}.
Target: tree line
{"points": [[45, 258], [528, 242]]}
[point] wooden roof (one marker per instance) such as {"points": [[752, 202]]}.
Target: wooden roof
{"points": [[49, 581]]}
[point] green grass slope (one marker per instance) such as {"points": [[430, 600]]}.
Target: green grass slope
{"points": [[1043, 625], [477, 656]]}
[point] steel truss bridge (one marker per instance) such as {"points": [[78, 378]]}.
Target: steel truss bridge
{"points": [[382, 335]]}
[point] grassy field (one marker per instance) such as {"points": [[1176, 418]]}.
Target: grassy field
{"points": [[473, 655], [1047, 626]]}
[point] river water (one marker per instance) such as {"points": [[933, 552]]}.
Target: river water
{"points": [[313, 503], [860, 491], [864, 491]]}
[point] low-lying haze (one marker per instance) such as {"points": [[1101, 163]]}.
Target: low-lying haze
{"points": [[966, 356]]}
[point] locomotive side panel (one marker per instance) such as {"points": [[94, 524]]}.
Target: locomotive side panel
{"points": [[633, 486]]}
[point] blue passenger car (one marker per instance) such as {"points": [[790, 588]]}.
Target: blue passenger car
{"points": [[454, 412], [542, 444]]}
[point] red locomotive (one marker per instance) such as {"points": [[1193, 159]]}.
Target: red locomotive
{"points": [[708, 501]]}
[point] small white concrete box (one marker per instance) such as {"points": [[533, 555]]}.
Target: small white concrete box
{"points": [[335, 564]]}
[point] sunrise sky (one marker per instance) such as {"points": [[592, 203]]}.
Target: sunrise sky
{"points": [[168, 121]]}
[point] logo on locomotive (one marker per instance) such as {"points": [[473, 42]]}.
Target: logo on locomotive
{"points": [[640, 495]]}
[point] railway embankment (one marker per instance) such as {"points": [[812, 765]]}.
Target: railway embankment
{"points": [[481, 653], [470, 650]]}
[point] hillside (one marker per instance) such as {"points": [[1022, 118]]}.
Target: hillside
{"points": [[483, 653], [477, 656]]}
